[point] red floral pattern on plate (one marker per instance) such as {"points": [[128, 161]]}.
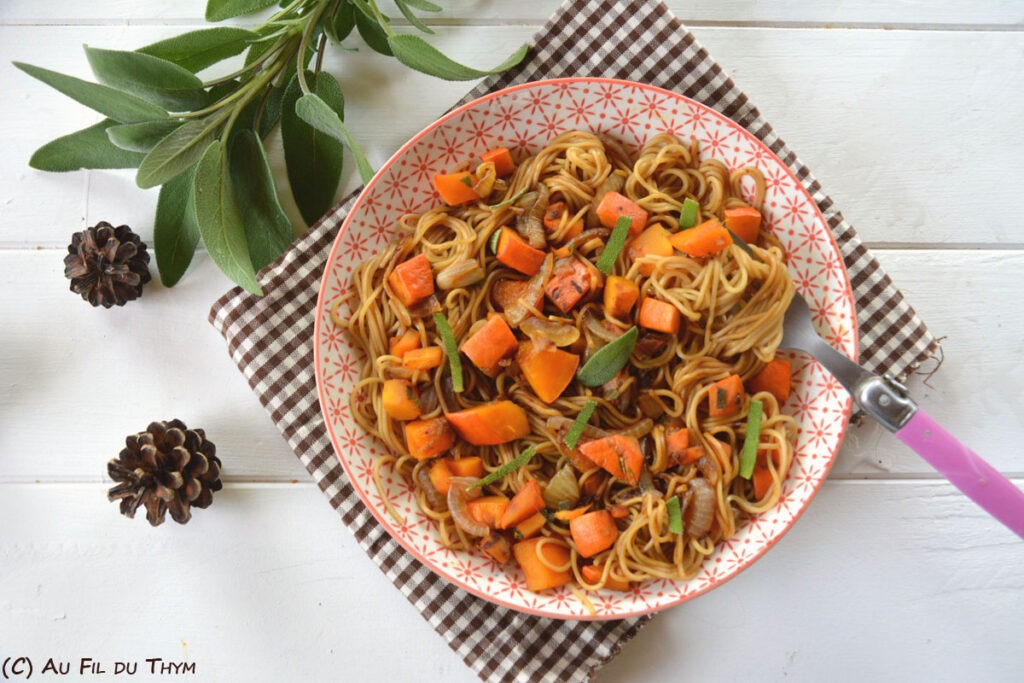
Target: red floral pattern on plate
{"points": [[525, 118]]}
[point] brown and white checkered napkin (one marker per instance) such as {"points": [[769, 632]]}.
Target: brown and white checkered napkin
{"points": [[271, 338]]}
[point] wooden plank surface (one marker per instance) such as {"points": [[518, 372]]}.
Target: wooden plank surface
{"points": [[899, 126], [267, 585], [952, 13]]}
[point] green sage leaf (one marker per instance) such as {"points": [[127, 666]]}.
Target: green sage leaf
{"points": [[219, 219], [418, 54], [110, 102], [451, 350], [151, 78], [267, 228], [751, 439], [373, 34], [675, 515], [178, 151], [579, 425], [319, 114], [506, 469], [608, 360], [344, 22], [423, 5], [613, 247], [86, 148], [312, 158], [219, 10], [197, 50], [407, 12], [271, 115], [175, 230], [141, 137]]}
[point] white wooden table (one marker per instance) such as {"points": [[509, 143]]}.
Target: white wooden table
{"points": [[913, 124]]}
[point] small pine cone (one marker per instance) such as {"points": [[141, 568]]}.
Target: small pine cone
{"points": [[106, 265], [168, 467]]}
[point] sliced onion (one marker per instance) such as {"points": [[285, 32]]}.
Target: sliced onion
{"points": [[562, 488], [639, 429], [700, 512], [531, 223], [586, 236], [517, 312], [646, 486], [599, 329], [486, 175], [459, 494], [558, 333], [560, 427], [425, 308], [708, 467], [434, 497], [460, 274]]}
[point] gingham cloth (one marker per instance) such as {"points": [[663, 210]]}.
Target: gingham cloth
{"points": [[271, 338]]}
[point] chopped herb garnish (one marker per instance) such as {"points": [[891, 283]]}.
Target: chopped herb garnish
{"points": [[720, 397], [675, 515], [751, 440], [689, 214], [576, 430], [616, 241], [451, 350], [466, 180], [510, 201], [506, 469], [741, 243], [492, 243], [611, 358]]}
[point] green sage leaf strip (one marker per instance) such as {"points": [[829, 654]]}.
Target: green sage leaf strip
{"points": [[423, 5], [406, 9], [313, 159], [86, 148], [742, 244], [197, 50], [451, 350], [151, 78], [689, 214], [418, 54], [178, 151], [175, 230], [572, 437], [317, 113], [110, 102], [608, 360], [751, 440], [506, 469], [219, 10], [143, 136], [675, 515], [344, 22], [616, 241], [271, 115], [372, 33], [220, 221], [267, 228]]}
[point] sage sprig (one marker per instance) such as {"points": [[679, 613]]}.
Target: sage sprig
{"points": [[202, 140]]}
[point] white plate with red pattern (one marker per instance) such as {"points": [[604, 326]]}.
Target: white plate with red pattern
{"points": [[524, 118]]}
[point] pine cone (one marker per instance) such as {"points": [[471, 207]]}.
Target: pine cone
{"points": [[168, 467], [107, 265]]}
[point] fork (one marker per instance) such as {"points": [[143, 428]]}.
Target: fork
{"points": [[888, 401]]}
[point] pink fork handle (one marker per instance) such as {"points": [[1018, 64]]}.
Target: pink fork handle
{"points": [[978, 480]]}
